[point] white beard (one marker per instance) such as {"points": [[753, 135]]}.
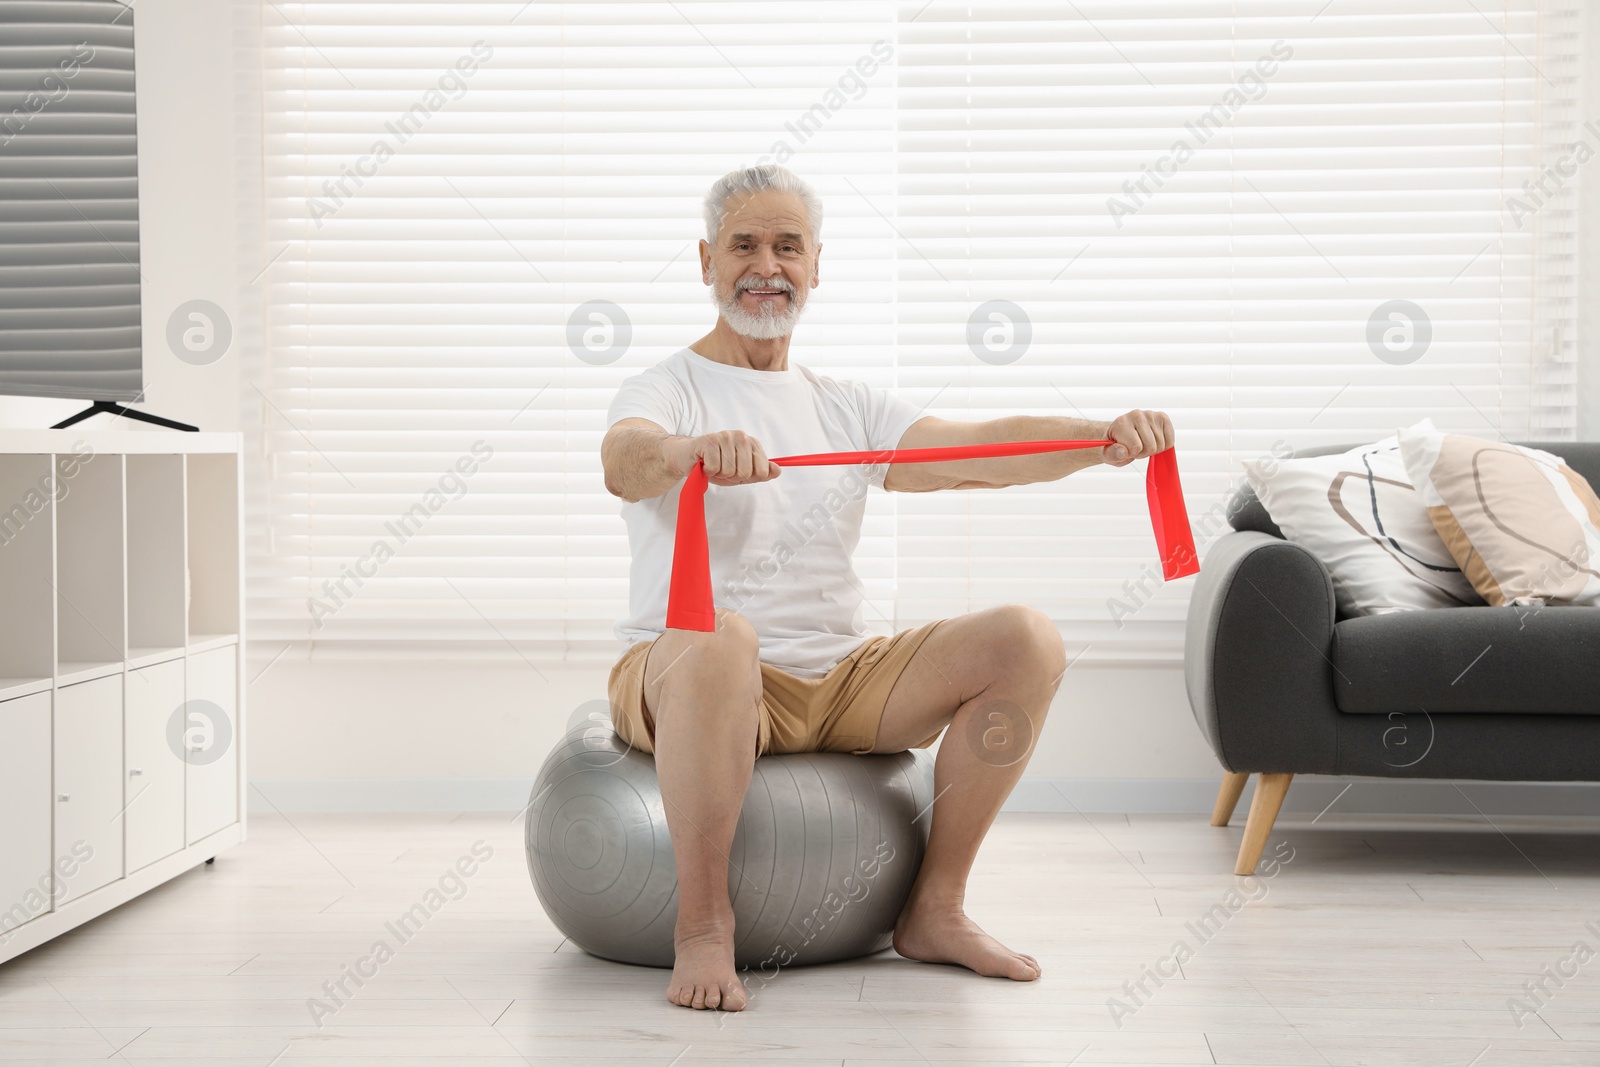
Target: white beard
{"points": [[763, 325]]}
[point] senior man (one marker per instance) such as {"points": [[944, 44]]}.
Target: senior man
{"points": [[790, 666]]}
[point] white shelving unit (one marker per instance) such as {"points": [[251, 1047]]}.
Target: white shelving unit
{"points": [[121, 679]]}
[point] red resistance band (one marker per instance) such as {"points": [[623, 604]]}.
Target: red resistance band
{"points": [[689, 601]]}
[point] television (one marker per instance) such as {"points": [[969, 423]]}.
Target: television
{"points": [[69, 208]]}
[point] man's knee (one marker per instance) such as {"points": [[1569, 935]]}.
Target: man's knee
{"points": [[1027, 639], [733, 644], [735, 632], [697, 662]]}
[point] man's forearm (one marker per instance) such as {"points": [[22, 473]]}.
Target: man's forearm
{"points": [[1046, 466], [638, 462]]}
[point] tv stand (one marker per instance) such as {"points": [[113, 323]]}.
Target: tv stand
{"points": [[97, 406]]}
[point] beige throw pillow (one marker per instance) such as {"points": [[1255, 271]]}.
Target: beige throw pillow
{"points": [[1524, 527]]}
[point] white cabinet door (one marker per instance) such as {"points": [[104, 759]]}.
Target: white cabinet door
{"points": [[154, 788], [25, 860], [212, 739], [88, 786]]}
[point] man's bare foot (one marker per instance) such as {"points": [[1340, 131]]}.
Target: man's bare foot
{"points": [[702, 973], [944, 934]]}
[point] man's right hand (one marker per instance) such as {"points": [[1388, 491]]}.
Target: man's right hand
{"points": [[731, 457]]}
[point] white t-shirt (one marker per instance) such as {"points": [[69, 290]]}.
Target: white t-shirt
{"points": [[780, 550]]}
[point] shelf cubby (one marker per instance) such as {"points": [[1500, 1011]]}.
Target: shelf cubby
{"points": [[156, 537], [90, 583], [27, 543]]}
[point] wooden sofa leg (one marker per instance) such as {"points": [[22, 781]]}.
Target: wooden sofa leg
{"points": [[1270, 791], [1228, 796]]}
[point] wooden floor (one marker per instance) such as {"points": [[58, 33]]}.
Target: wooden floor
{"points": [[1370, 945]]}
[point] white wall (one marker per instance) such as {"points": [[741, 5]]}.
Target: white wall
{"points": [[402, 721], [407, 736]]}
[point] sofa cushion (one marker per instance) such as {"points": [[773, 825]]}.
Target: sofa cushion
{"points": [[1536, 660], [1581, 456]]}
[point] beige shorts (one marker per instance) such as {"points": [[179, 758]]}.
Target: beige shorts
{"points": [[838, 712]]}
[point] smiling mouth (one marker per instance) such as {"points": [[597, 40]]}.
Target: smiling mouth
{"points": [[767, 292]]}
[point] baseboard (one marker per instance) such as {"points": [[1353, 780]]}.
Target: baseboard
{"points": [[1310, 794], [388, 794]]}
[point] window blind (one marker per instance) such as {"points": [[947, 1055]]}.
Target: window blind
{"points": [[520, 246], [482, 216], [1287, 225]]}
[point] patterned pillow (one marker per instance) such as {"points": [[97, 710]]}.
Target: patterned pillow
{"points": [[1524, 526], [1357, 513]]}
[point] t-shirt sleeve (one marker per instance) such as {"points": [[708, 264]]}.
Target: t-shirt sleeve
{"points": [[885, 417], [649, 396]]}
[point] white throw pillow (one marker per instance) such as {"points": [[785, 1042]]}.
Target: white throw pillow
{"points": [[1358, 514]]}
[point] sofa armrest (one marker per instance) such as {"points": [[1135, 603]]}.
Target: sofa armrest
{"points": [[1256, 656]]}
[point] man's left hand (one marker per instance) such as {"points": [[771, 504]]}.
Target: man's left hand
{"points": [[1137, 434]]}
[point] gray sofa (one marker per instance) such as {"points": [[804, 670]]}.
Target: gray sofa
{"points": [[1282, 684]]}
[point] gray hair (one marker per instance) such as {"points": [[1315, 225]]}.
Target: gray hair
{"points": [[747, 180]]}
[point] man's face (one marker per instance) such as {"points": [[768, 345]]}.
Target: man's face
{"points": [[762, 264]]}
